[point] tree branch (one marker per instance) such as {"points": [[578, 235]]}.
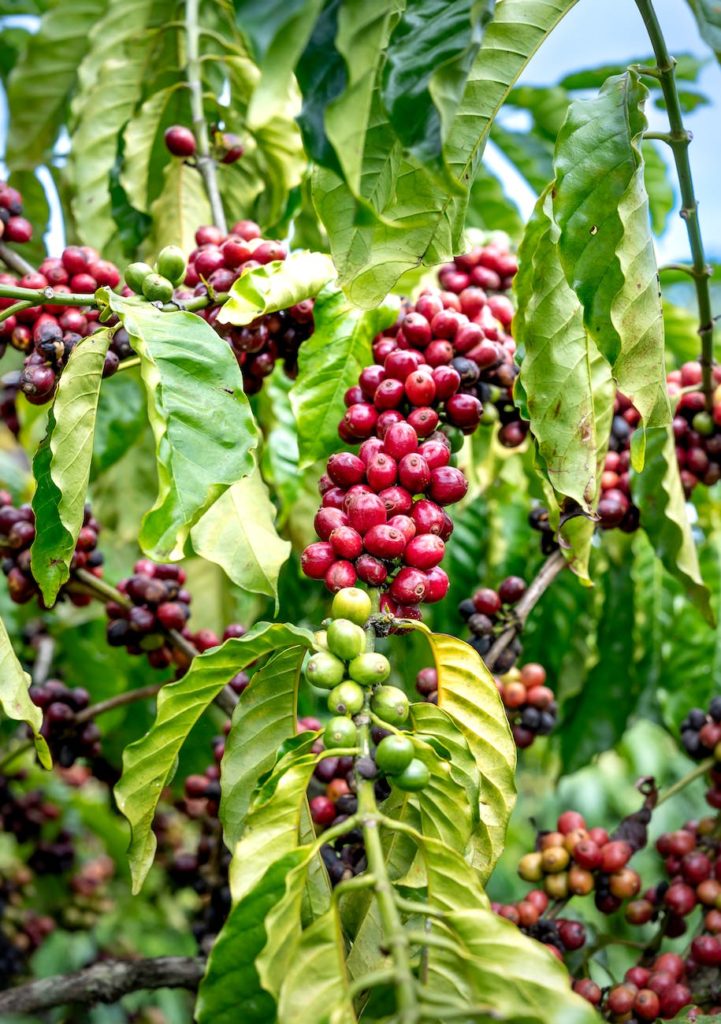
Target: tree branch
{"points": [[104, 982], [678, 139], [15, 262], [546, 575]]}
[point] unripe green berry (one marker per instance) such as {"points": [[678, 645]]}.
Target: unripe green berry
{"points": [[394, 754], [324, 670], [345, 639], [352, 603], [415, 777], [171, 263], [369, 669], [340, 732], [703, 423], [390, 704], [346, 699], [157, 288], [135, 274]]}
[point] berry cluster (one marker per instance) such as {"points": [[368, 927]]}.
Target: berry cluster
{"points": [[561, 935], [17, 532], [13, 226], [180, 141], [646, 993], [488, 612], [47, 334], [66, 738], [701, 731], [530, 704], [9, 390], [213, 266]]}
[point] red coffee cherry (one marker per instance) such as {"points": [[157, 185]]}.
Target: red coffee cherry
{"points": [[409, 586], [180, 141], [425, 551], [317, 559]]}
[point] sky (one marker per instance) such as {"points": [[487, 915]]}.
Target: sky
{"points": [[600, 32]]}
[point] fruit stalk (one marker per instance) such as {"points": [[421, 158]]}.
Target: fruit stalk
{"points": [[206, 164], [679, 139]]}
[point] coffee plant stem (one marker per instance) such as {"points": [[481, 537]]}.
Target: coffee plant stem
{"points": [[15, 262], [393, 932], [679, 139], [120, 699], [45, 296], [17, 307], [685, 780], [206, 164], [682, 268], [546, 575], [128, 364]]}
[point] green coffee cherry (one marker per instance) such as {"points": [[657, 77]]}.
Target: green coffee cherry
{"points": [[340, 732], [394, 754], [321, 639], [390, 704], [369, 669], [157, 288], [171, 263], [346, 699], [703, 423], [345, 639], [352, 603], [415, 777], [135, 274], [324, 670]]}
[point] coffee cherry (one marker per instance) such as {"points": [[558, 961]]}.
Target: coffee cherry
{"points": [[572, 934], [409, 586], [317, 559], [530, 867], [340, 732], [352, 604], [345, 639], [425, 551], [646, 1005], [615, 855], [589, 990], [339, 576], [322, 811], [413, 778], [369, 669], [487, 602], [346, 699], [511, 589], [448, 485], [394, 754], [390, 704], [621, 999], [157, 288], [385, 542], [180, 141], [324, 670], [171, 264]]}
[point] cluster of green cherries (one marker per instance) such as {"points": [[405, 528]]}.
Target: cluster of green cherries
{"points": [[356, 676], [158, 283]]}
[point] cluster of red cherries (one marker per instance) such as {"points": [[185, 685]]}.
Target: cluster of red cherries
{"points": [[66, 738], [13, 226], [488, 612]]}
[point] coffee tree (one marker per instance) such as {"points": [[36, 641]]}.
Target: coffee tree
{"points": [[329, 486]]}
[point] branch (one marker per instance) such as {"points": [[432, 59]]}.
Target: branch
{"points": [[104, 982], [128, 697], [15, 262], [206, 163], [46, 296], [679, 139], [546, 575]]}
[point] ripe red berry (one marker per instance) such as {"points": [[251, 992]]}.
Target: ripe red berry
{"points": [[420, 388], [695, 867], [409, 586], [389, 394], [464, 411], [346, 469], [680, 898], [18, 229], [437, 584], [647, 1004], [360, 420], [428, 517], [401, 363], [615, 855], [172, 615], [424, 420], [371, 570], [384, 541], [328, 519], [397, 500], [381, 471], [435, 453], [588, 989], [414, 473], [364, 511], [424, 551], [448, 485], [512, 589], [405, 524], [339, 576], [706, 950], [317, 559], [416, 329], [572, 934], [569, 821], [322, 810], [179, 140], [487, 602], [346, 542], [400, 439]]}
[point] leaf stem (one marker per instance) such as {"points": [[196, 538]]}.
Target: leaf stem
{"points": [[206, 163], [546, 575], [685, 780], [15, 262], [679, 139], [393, 931]]}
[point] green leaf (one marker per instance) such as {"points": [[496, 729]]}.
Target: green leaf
{"points": [[63, 465], [468, 693], [275, 286], [182, 205], [322, 76], [404, 217], [658, 493], [428, 58], [14, 698], [708, 19], [688, 68], [238, 533], [148, 763], [661, 196], [40, 83], [329, 362], [566, 383], [119, 421], [145, 150], [265, 711], [187, 370], [601, 206]]}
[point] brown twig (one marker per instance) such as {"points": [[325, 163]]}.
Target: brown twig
{"points": [[14, 262], [546, 575], [128, 697], [104, 982]]}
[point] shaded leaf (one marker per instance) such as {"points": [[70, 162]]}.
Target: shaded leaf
{"points": [[530, 155], [316, 985], [14, 698], [275, 286], [708, 19], [180, 207], [119, 421]]}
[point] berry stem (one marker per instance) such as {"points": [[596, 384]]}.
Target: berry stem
{"points": [[685, 780], [17, 307], [15, 262], [394, 934], [206, 164], [679, 139], [546, 575]]}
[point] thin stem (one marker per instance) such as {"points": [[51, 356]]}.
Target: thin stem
{"points": [[45, 296], [128, 364], [120, 699], [15, 262], [394, 934], [546, 575], [682, 268], [685, 780], [17, 307], [679, 139], [206, 164], [17, 752]]}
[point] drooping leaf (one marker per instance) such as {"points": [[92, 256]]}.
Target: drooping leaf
{"points": [[119, 421], [601, 206], [275, 286], [14, 698], [468, 693], [40, 83], [658, 493], [203, 427], [144, 146], [263, 719], [566, 383], [63, 465], [238, 533], [148, 763], [329, 363], [708, 18]]}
